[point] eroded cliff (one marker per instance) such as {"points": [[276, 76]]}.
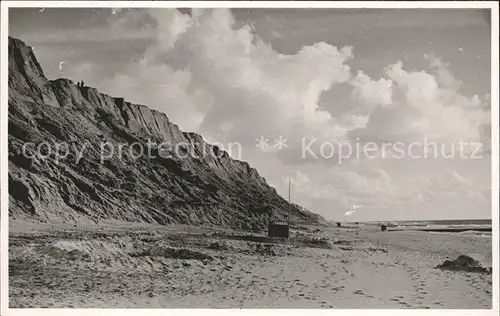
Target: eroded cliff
{"points": [[78, 183]]}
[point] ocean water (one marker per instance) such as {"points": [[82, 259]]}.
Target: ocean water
{"points": [[470, 227]]}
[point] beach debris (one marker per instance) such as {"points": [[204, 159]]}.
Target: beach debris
{"points": [[464, 263]]}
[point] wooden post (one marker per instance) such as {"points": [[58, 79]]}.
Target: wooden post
{"points": [[289, 204]]}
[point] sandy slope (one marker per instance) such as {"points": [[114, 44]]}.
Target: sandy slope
{"points": [[132, 266]]}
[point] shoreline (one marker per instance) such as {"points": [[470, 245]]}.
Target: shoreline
{"points": [[444, 229]]}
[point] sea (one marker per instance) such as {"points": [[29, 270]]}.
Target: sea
{"points": [[473, 227]]}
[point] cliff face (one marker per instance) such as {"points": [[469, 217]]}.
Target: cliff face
{"points": [[155, 188]]}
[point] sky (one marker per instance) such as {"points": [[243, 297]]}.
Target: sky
{"points": [[319, 97]]}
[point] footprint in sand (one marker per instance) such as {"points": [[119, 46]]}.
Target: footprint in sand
{"points": [[399, 300]]}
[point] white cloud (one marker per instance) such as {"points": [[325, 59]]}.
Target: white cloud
{"points": [[239, 88], [418, 105], [371, 92], [229, 85]]}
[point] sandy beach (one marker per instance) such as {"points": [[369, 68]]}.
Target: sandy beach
{"points": [[122, 265]]}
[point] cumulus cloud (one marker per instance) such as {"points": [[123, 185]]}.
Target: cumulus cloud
{"points": [[413, 105], [385, 193], [255, 90], [238, 87], [222, 80], [372, 92]]}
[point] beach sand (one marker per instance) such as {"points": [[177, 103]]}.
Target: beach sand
{"points": [[122, 265]]}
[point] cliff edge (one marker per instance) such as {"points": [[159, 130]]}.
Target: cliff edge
{"points": [[71, 183]]}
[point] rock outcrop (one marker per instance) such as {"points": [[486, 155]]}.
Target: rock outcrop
{"points": [[464, 263], [61, 175]]}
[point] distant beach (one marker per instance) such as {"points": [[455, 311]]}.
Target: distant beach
{"points": [[467, 226]]}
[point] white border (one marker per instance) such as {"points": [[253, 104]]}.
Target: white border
{"points": [[4, 164], [4, 310], [495, 162], [255, 4]]}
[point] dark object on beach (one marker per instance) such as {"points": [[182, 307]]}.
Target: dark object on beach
{"points": [[278, 229], [464, 263], [383, 228], [357, 223], [339, 225]]}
